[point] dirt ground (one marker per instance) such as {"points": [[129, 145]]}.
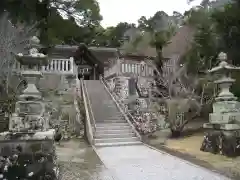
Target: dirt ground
{"points": [[188, 148], [78, 161]]}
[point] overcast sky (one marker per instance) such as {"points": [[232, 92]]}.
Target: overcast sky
{"points": [[115, 11]]}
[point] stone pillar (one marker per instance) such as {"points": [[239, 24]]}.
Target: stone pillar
{"points": [[118, 67]]}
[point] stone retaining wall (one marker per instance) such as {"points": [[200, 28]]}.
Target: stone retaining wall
{"points": [[9, 147]]}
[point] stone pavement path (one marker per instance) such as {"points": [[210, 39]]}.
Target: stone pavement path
{"points": [[78, 161], [143, 163]]}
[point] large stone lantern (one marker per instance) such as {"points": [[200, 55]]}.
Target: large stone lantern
{"points": [[30, 116], [224, 121], [32, 63]]}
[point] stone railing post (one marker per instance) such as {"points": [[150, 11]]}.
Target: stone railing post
{"points": [[73, 66], [118, 66], [56, 66]]}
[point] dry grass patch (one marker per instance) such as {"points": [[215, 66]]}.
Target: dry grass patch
{"points": [[191, 146]]}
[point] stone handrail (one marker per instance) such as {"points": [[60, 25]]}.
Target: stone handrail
{"points": [[61, 66], [129, 69], [76, 95], [121, 108], [88, 120], [136, 69], [78, 116], [93, 122]]}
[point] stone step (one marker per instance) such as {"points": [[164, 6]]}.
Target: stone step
{"points": [[114, 140], [110, 125], [120, 135], [113, 131], [118, 144], [107, 118], [110, 109], [110, 103], [107, 113], [109, 121], [115, 120], [104, 128], [103, 96], [100, 101], [106, 110], [105, 100], [111, 115]]}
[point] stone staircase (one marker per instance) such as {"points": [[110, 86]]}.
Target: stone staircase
{"points": [[112, 129]]}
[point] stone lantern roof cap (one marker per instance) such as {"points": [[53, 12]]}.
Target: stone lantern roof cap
{"points": [[35, 40], [223, 65]]}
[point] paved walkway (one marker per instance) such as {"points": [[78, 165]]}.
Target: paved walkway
{"points": [[80, 162], [143, 163]]}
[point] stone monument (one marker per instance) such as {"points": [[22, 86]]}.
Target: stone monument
{"points": [[224, 122], [29, 120]]}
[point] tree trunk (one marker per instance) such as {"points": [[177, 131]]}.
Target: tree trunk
{"points": [[159, 61], [176, 133]]}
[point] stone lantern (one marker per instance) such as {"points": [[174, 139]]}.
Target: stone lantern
{"points": [[30, 116], [224, 121]]}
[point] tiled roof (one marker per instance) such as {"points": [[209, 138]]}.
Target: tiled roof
{"points": [[103, 54]]}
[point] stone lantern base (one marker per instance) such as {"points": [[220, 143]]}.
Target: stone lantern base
{"points": [[223, 129], [222, 138]]}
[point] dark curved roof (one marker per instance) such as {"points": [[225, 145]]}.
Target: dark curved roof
{"points": [[83, 52], [93, 55]]}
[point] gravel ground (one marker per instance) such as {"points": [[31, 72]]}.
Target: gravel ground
{"points": [[78, 161]]}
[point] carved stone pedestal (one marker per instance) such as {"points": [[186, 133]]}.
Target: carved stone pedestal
{"points": [[223, 130], [222, 141], [225, 112]]}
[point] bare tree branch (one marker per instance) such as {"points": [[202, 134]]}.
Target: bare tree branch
{"points": [[13, 40]]}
